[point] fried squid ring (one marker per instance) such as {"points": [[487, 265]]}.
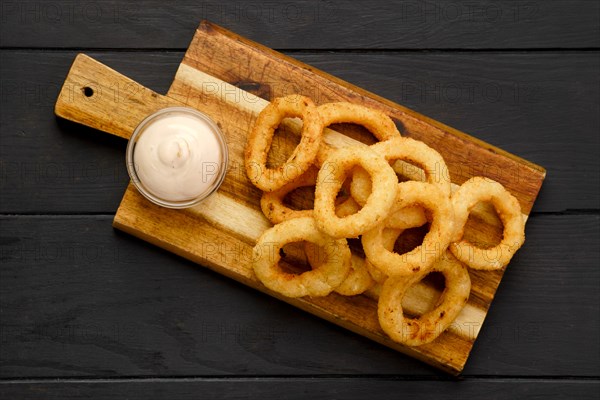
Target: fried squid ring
{"points": [[276, 211], [357, 281], [347, 207], [407, 217], [509, 210], [406, 149], [396, 223], [427, 327], [435, 242], [319, 281], [409, 171], [376, 122], [330, 179], [272, 205], [261, 137], [388, 239]]}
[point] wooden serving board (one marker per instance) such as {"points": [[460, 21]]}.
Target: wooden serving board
{"points": [[231, 79]]}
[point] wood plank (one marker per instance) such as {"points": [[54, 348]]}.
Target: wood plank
{"points": [[411, 121], [81, 299], [334, 24], [179, 231], [544, 292], [102, 185], [299, 388], [52, 165], [106, 93], [238, 60], [85, 171], [504, 100], [234, 110], [195, 236]]}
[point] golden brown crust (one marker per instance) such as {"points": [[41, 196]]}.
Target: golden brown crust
{"points": [[378, 207], [330, 180], [507, 206], [376, 122], [261, 137], [427, 327], [321, 280]]}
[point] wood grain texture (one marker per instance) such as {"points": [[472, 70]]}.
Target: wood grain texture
{"points": [[238, 60], [82, 299], [44, 169], [234, 110], [332, 24], [106, 95], [546, 112], [298, 388]]}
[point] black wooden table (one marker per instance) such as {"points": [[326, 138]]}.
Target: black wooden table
{"points": [[89, 312]]}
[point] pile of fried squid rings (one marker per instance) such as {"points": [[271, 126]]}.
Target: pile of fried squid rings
{"points": [[379, 207]]}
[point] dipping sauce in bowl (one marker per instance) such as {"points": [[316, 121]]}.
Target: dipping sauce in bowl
{"points": [[177, 157]]}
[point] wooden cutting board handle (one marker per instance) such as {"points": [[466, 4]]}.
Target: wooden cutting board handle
{"points": [[101, 98]]}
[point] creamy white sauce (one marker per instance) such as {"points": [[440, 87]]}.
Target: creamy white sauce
{"points": [[177, 157]]}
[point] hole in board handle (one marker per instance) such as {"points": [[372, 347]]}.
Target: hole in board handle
{"points": [[88, 91]]}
